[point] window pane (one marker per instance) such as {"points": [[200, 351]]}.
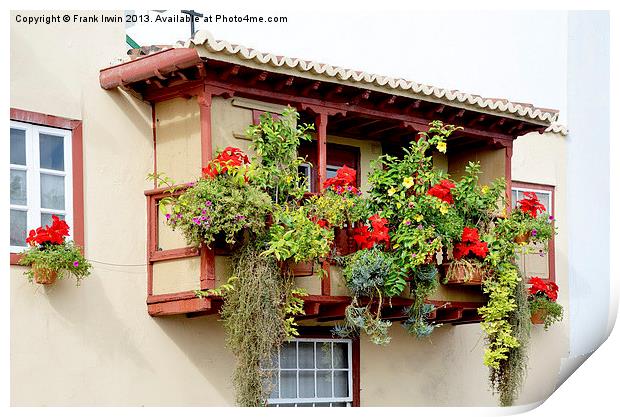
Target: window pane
{"points": [[52, 192], [46, 218], [514, 198], [324, 355], [18, 187], [324, 384], [272, 383], [306, 384], [18, 228], [52, 152], [544, 200], [288, 384], [339, 404], [331, 172], [341, 384], [340, 355], [306, 355], [18, 146], [288, 356]]}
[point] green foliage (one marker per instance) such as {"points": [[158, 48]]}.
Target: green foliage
{"points": [[367, 272], [553, 311], [223, 206], [337, 209], [275, 140], [65, 258], [255, 318], [538, 230], [294, 236], [424, 284], [360, 319]]}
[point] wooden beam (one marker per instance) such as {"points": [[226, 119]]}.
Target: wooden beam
{"points": [[321, 135], [260, 77], [333, 92], [230, 71], [312, 87], [384, 104], [286, 82], [363, 96]]}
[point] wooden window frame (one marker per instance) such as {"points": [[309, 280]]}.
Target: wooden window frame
{"points": [[535, 187], [77, 167]]}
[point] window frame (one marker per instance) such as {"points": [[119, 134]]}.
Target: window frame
{"points": [[523, 186], [350, 399], [73, 172]]}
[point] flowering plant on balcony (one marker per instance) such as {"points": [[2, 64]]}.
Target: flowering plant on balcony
{"points": [[222, 204], [529, 222], [542, 299], [49, 253]]}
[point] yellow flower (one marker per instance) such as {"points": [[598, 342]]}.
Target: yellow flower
{"points": [[396, 246], [441, 147], [391, 191], [443, 209], [484, 189], [408, 182], [398, 205], [419, 218]]}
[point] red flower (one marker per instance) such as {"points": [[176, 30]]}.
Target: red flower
{"points": [[228, 158], [530, 204], [470, 243], [344, 181], [50, 234], [442, 191], [539, 288], [366, 238]]}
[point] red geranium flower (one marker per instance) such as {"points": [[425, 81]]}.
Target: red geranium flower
{"points": [[470, 244], [344, 181], [366, 238], [530, 204], [539, 288], [228, 158], [50, 234], [442, 191]]}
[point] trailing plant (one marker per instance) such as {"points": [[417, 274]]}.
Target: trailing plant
{"points": [[275, 141], [294, 236], [50, 253], [255, 315], [542, 299], [424, 283]]}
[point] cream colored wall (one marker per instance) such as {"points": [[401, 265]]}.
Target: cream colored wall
{"points": [[492, 163]]}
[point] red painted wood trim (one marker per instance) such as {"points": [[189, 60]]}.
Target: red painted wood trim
{"points": [[193, 305], [149, 245], [356, 372], [154, 127], [326, 282], [206, 146], [508, 176], [321, 135], [207, 268], [77, 156], [15, 258], [551, 245], [171, 254], [175, 296]]}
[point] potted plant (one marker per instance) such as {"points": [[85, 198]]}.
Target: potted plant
{"points": [[467, 267], [531, 222], [51, 256], [542, 299]]}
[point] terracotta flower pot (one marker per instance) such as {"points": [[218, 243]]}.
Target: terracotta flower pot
{"points": [[44, 276], [343, 241], [297, 269], [459, 274], [538, 316], [523, 238]]}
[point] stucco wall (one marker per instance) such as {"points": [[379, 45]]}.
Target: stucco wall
{"points": [[96, 344]]}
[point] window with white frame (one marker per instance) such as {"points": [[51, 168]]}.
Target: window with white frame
{"points": [[40, 181], [544, 196], [305, 170], [312, 373]]}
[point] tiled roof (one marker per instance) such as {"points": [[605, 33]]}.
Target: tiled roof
{"points": [[209, 47], [557, 128]]}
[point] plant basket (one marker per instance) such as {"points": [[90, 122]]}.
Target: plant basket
{"points": [[44, 276], [458, 273], [523, 238], [297, 269], [343, 241], [538, 316]]}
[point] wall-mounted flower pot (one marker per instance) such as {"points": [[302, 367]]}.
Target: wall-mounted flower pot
{"points": [[343, 241], [538, 316], [459, 274], [44, 276], [298, 269], [523, 238]]}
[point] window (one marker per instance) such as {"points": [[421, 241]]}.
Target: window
{"points": [[537, 263], [45, 175], [313, 373], [337, 156]]}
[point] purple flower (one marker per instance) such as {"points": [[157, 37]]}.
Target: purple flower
{"points": [[240, 217], [420, 227], [534, 232], [551, 217], [76, 264], [168, 216], [179, 216], [191, 184], [407, 222], [208, 203], [204, 211]]}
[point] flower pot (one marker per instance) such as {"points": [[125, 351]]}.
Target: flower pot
{"points": [[44, 276], [343, 241], [538, 316], [523, 238], [460, 274], [297, 269]]}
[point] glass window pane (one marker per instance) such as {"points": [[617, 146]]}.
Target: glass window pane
{"points": [[544, 200], [324, 384], [306, 355], [331, 172], [288, 384], [339, 404], [18, 228], [340, 355], [52, 192], [321, 405], [46, 218], [306, 384], [324, 355], [18, 146], [288, 356], [18, 187], [341, 384], [272, 384], [52, 152], [514, 198]]}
